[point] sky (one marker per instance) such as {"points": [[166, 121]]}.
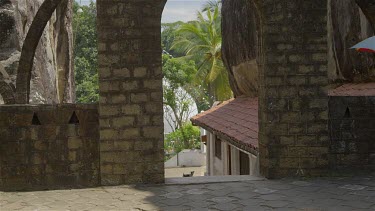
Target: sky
{"points": [[176, 10]]}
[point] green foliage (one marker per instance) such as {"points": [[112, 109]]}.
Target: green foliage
{"points": [[173, 142], [168, 35], [193, 69], [85, 49], [177, 102], [178, 72], [201, 41]]}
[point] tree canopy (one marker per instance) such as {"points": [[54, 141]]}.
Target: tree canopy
{"points": [[85, 48]]}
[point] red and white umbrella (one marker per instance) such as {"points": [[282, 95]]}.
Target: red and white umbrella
{"points": [[367, 45]]}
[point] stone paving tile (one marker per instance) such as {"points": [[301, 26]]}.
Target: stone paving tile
{"points": [[306, 195]]}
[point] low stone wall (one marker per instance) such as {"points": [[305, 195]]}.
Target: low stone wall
{"points": [[352, 131], [49, 146]]}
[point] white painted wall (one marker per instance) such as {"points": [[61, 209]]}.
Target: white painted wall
{"points": [[235, 154], [187, 158], [216, 166]]}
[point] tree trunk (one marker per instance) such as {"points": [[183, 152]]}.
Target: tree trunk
{"points": [[28, 49]]}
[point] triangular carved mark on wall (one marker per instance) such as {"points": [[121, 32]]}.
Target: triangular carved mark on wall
{"points": [[347, 113], [35, 120], [74, 119]]}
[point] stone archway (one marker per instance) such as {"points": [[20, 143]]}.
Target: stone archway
{"points": [[293, 101], [28, 49]]}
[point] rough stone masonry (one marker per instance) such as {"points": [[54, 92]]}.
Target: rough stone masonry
{"points": [[48, 146], [293, 101], [131, 107]]}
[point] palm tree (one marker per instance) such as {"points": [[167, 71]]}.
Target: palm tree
{"points": [[201, 41], [211, 5]]}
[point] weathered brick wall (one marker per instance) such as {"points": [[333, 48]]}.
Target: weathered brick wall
{"points": [[352, 131], [130, 74], [293, 97], [43, 147]]}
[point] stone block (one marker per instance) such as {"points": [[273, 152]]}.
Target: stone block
{"points": [[157, 96], [138, 98], [320, 57], [109, 134], [122, 73], [140, 72], [106, 169], [296, 80], [107, 86], [107, 157], [108, 110], [143, 120], [157, 120], [102, 47], [319, 103], [143, 145], [287, 140], [72, 156], [306, 69], [74, 142], [111, 179], [132, 109], [130, 133], [318, 80], [154, 108], [152, 84], [153, 132], [130, 85], [124, 145], [105, 73], [123, 121], [41, 145]]}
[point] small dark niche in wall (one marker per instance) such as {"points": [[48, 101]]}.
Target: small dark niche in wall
{"points": [[347, 113], [35, 120], [74, 119]]}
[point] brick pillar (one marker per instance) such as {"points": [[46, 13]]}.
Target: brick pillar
{"points": [[130, 75], [293, 81]]}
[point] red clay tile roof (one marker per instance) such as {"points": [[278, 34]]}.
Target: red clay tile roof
{"points": [[362, 89], [235, 119]]}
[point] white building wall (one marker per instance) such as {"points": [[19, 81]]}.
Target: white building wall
{"points": [[235, 154], [212, 153], [217, 167], [187, 158]]}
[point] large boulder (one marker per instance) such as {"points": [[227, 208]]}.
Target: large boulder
{"points": [[240, 48], [52, 79]]}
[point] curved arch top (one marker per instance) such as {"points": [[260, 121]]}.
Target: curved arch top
{"points": [[28, 49]]}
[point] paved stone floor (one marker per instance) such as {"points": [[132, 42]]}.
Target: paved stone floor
{"points": [[323, 194]]}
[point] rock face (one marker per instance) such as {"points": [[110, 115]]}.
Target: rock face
{"points": [[347, 25], [52, 77]]}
